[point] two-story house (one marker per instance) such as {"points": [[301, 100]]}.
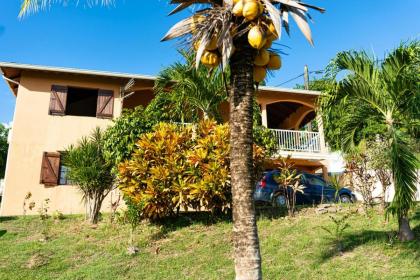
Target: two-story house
{"points": [[55, 107]]}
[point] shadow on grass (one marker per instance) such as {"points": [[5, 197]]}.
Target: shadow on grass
{"points": [[270, 212], [352, 241], [2, 232], [183, 220], [8, 218]]}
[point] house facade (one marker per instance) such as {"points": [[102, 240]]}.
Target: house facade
{"points": [[55, 107]]}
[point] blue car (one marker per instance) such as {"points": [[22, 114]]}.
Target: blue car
{"points": [[314, 187]]}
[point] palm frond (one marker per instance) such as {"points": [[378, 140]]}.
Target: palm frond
{"points": [[33, 6], [217, 19], [404, 170]]}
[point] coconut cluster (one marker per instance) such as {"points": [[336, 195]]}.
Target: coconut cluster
{"points": [[261, 35]]}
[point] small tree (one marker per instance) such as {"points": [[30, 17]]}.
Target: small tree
{"points": [[89, 170], [380, 163], [289, 181], [360, 178]]}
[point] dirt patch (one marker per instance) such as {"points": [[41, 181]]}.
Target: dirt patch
{"points": [[38, 260]]}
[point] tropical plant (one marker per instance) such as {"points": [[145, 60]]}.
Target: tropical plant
{"points": [[154, 168], [361, 179], [289, 182], [119, 139], [90, 171], [4, 146], [384, 92], [237, 34], [181, 167], [378, 152], [27, 204], [340, 225], [336, 184], [133, 216], [45, 222], [191, 91]]}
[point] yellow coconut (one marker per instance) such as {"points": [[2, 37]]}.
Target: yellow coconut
{"points": [[262, 58], [210, 59], [196, 19], [252, 9], [271, 32], [275, 62], [256, 37], [238, 8], [196, 45], [268, 44], [212, 45], [259, 74]]}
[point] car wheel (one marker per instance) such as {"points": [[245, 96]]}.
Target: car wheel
{"points": [[344, 198], [279, 201]]}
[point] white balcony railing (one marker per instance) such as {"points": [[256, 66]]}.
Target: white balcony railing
{"points": [[297, 141], [292, 140]]}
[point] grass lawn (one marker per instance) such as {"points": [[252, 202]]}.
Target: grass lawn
{"points": [[190, 247]]}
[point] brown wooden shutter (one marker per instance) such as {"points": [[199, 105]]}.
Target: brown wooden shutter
{"points": [[50, 171], [58, 100], [105, 106]]}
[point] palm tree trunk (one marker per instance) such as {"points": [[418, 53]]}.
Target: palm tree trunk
{"points": [[245, 234]]}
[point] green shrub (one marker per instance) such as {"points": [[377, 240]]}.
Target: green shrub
{"points": [[120, 139]]}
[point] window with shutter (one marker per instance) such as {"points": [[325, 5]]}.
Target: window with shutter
{"points": [[50, 170], [105, 105], [58, 100]]}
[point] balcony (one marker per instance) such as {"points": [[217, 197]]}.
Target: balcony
{"points": [[297, 141]]}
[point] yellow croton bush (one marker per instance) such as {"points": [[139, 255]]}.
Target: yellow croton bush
{"points": [[181, 168]]}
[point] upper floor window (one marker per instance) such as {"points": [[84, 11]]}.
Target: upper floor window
{"points": [[75, 101]]}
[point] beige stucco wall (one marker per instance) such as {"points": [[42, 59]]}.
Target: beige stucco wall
{"points": [[35, 131]]}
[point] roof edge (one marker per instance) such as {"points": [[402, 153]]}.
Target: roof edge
{"points": [[75, 71], [128, 75]]}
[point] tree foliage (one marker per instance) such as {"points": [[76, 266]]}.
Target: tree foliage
{"points": [[382, 95], [192, 92], [4, 146], [119, 139]]}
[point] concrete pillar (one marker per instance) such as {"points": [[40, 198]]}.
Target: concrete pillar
{"points": [[264, 120], [325, 173], [321, 134]]}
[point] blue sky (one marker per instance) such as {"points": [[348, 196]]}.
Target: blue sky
{"points": [[126, 37]]}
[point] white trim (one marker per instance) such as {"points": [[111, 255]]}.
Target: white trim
{"points": [[75, 71]]}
